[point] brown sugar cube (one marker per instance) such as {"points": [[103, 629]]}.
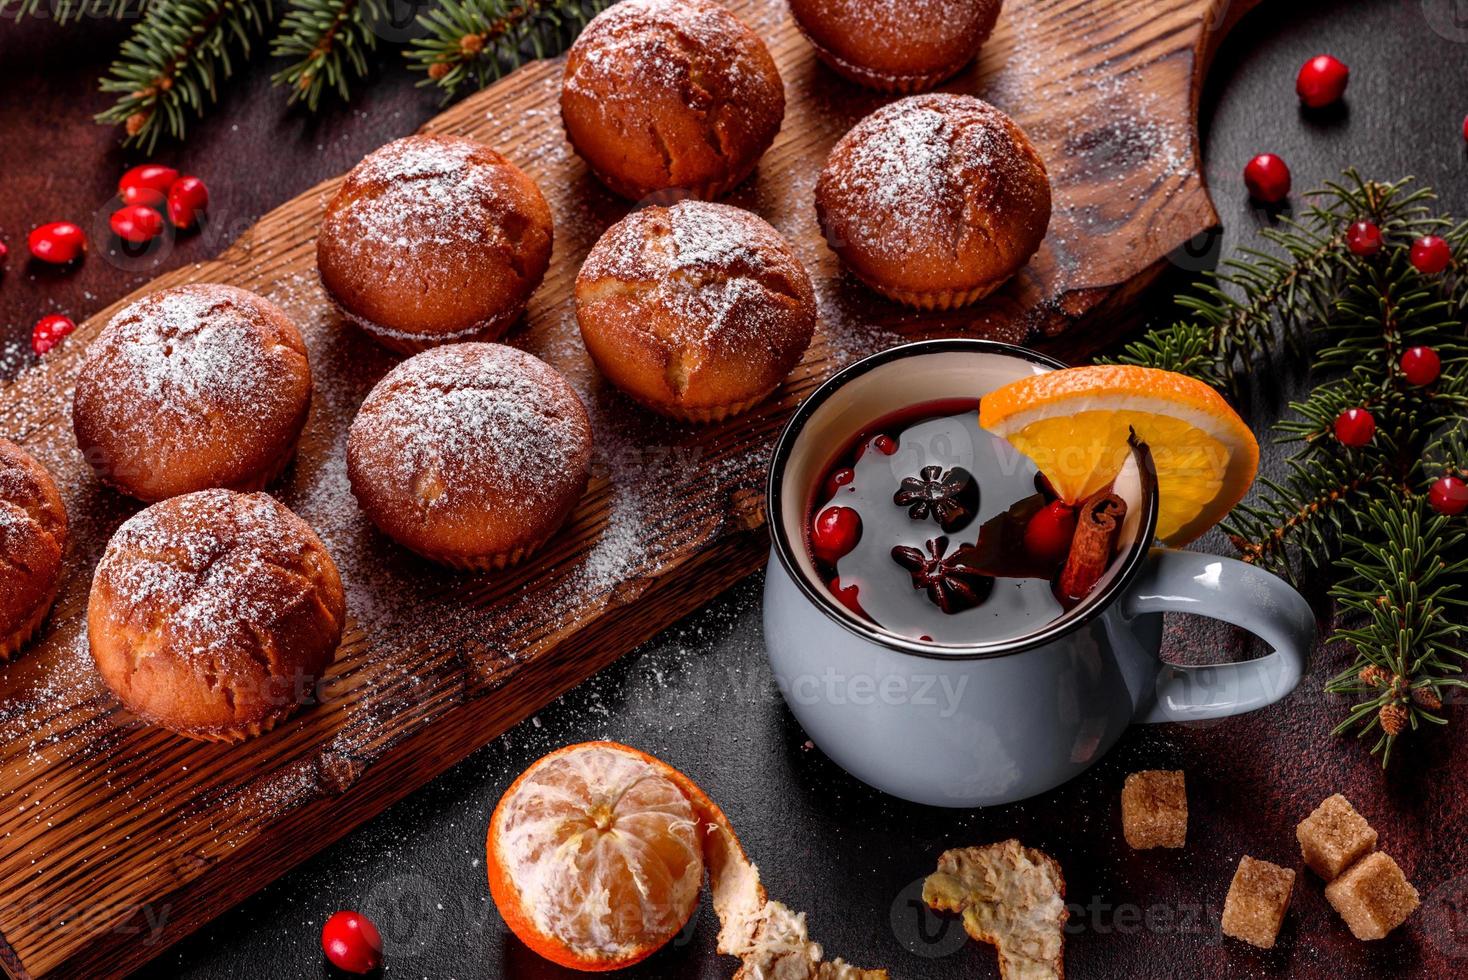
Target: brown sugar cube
{"points": [[1256, 902], [1334, 837], [1373, 896], [1154, 809]]}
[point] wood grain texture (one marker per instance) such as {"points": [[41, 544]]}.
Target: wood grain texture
{"points": [[119, 839]]}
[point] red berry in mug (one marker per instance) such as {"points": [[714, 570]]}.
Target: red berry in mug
{"points": [[1322, 80], [1421, 365], [1431, 255], [146, 179], [57, 242], [1049, 533], [1267, 178], [352, 942], [1363, 238], [136, 224], [839, 478], [1354, 427], [1448, 495], [835, 532], [186, 199]]}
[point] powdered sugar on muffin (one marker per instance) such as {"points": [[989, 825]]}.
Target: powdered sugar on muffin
{"points": [[694, 307], [190, 387], [939, 195], [479, 448]]}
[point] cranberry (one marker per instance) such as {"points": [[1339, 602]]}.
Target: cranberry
{"points": [[146, 197], [146, 178], [352, 942], [4, 251], [1049, 532], [1421, 365], [57, 242], [1448, 495], [835, 532], [839, 478], [1431, 255], [847, 595], [186, 199], [1363, 238], [48, 331], [1322, 80], [885, 444], [1355, 427], [136, 224], [1267, 178]]}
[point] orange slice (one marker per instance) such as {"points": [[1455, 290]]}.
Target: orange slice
{"points": [[596, 855], [1074, 425]]}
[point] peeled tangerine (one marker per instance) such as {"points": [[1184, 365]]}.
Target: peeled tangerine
{"points": [[596, 858]]}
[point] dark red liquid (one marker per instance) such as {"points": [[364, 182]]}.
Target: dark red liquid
{"points": [[973, 511]]}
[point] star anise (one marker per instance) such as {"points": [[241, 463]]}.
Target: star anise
{"points": [[953, 582], [951, 497]]}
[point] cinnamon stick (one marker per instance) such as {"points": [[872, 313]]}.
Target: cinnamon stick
{"points": [[1098, 525]]}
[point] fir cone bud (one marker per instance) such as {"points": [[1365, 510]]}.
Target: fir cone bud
{"points": [[304, 82], [135, 123], [438, 70], [1394, 718], [1427, 698], [471, 44], [1374, 676]]}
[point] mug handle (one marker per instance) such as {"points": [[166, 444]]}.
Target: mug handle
{"points": [[1237, 593]]}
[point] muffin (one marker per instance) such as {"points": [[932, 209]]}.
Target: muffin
{"points": [[434, 239], [670, 98], [32, 545], [193, 387], [697, 311], [470, 455], [214, 614], [934, 200], [896, 45]]}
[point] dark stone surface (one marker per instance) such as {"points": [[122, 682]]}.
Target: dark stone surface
{"points": [[700, 696]]}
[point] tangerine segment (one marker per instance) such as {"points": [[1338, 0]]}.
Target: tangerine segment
{"points": [[594, 855], [1074, 425]]}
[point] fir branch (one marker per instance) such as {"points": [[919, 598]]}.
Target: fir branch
{"points": [[330, 41], [68, 11], [1402, 606], [473, 42], [171, 65], [1260, 300]]}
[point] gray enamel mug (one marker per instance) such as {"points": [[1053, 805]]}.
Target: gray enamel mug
{"points": [[987, 722]]}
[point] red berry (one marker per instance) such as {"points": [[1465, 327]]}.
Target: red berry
{"points": [[1049, 532], [1448, 495], [146, 177], [847, 596], [1421, 365], [885, 444], [352, 942], [1267, 178], [1363, 238], [1431, 255], [136, 224], [838, 479], [147, 197], [835, 532], [1322, 80], [1355, 427], [186, 198], [57, 242], [1465, 127], [48, 331], [4, 251]]}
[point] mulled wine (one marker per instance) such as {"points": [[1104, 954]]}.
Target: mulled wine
{"points": [[936, 530]]}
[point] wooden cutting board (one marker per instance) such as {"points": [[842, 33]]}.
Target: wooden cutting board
{"points": [[116, 840]]}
